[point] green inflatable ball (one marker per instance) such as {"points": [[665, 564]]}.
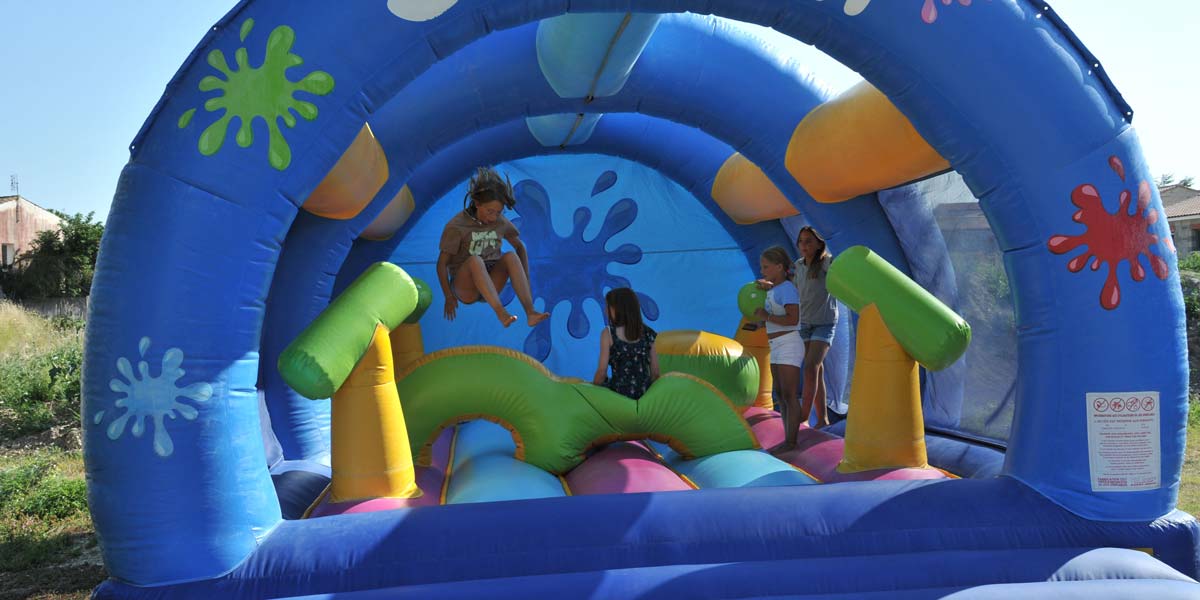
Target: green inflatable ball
{"points": [[751, 298]]}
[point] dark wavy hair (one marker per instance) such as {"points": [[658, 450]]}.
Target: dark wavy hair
{"points": [[487, 186], [814, 269], [627, 311]]}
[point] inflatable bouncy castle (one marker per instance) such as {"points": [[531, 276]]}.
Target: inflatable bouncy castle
{"points": [[275, 407]]}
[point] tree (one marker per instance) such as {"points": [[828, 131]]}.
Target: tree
{"points": [[58, 263], [1169, 179]]}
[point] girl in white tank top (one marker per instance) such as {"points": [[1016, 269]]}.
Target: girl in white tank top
{"points": [[782, 318]]}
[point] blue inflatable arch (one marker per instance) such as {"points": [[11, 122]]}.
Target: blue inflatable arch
{"points": [[427, 117], [316, 246], [208, 264], [686, 155]]}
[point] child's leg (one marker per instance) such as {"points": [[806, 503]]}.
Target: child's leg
{"points": [[819, 400], [788, 377], [481, 281], [510, 267], [814, 357], [776, 396], [806, 386]]}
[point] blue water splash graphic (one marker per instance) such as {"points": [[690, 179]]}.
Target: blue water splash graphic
{"points": [[154, 397], [571, 268], [606, 180]]}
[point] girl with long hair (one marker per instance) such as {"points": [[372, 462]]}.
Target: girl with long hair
{"points": [[626, 346], [471, 264], [818, 318]]}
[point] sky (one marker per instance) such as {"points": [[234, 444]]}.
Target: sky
{"points": [[80, 77]]}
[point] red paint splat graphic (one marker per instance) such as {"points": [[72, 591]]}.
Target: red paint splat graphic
{"points": [[1112, 238], [1117, 166], [929, 12]]}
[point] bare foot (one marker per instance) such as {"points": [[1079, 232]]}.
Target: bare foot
{"points": [[506, 319], [781, 448], [536, 317]]}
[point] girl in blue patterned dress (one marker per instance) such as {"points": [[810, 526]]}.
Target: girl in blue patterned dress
{"points": [[627, 346]]}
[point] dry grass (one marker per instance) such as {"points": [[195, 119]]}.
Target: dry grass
{"points": [[23, 333], [1189, 484], [48, 548]]}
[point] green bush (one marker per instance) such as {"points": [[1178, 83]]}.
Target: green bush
{"points": [[43, 510], [17, 481], [68, 324], [54, 498], [32, 546], [1191, 262], [31, 487], [40, 391], [1191, 305], [59, 263]]}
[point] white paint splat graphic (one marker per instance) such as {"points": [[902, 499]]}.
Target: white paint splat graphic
{"points": [[153, 397], [419, 10], [854, 7]]}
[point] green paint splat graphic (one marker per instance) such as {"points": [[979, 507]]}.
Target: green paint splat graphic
{"points": [[264, 92]]}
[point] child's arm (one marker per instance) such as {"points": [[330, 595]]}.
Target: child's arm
{"points": [[602, 370], [443, 273], [792, 317]]}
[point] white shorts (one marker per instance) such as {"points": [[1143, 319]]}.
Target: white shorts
{"points": [[787, 349]]}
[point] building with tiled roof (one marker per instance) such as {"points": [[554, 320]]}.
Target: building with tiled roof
{"points": [[1182, 205], [20, 222], [1175, 192]]}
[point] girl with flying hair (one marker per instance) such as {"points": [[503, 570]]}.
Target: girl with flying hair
{"points": [[471, 265]]}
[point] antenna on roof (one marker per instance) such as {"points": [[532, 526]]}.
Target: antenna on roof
{"points": [[14, 184]]}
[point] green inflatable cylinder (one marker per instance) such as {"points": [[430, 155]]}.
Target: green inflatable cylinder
{"points": [[318, 361], [932, 333], [424, 299]]}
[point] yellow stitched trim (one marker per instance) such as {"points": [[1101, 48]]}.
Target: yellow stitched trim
{"points": [[945, 472], [801, 469], [317, 502], [663, 461], [425, 456], [449, 467]]}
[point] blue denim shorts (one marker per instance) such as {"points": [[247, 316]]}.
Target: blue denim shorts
{"points": [[819, 333]]}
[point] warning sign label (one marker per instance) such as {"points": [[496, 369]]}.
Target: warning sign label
{"points": [[1124, 449]]}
